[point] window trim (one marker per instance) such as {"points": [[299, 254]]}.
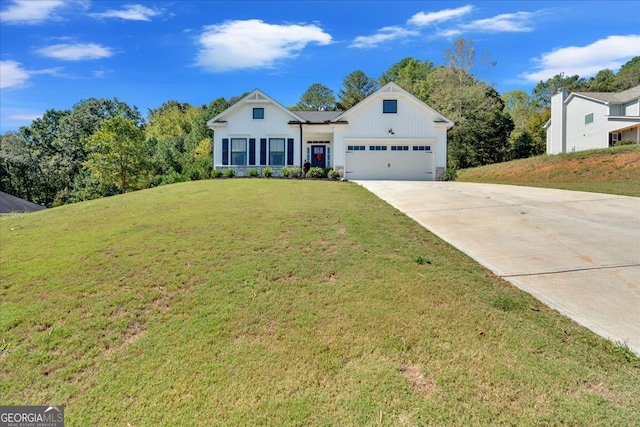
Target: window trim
{"points": [[271, 152], [588, 118], [260, 111], [233, 152], [387, 104]]}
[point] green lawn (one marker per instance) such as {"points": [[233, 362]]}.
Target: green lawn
{"points": [[284, 303], [614, 170]]}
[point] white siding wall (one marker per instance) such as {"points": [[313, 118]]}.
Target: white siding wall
{"points": [[632, 108], [581, 136], [240, 124], [412, 122]]}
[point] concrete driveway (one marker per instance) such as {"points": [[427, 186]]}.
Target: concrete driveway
{"points": [[577, 252]]}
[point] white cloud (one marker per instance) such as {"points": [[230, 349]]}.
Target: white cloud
{"points": [[505, 23], [12, 74], [75, 52], [34, 12], [25, 117], [131, 12], [611, 52], [383, 35], [254, 44], [422, 19]]}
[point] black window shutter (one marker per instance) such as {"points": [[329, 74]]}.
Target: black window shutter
{"points": [[252, 151], [225, 151], [263, 151], [290, 151]]}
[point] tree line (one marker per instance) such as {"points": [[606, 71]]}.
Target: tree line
{"points": [[102, 147]]}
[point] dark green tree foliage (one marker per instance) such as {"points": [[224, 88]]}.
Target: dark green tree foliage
{"points": [[629, 75], [20, 173], [356, 87], [55, 144], [410, 74], [604, 81], [317, 97]]}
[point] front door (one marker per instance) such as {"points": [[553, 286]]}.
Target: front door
{"points": [[318, 158]]}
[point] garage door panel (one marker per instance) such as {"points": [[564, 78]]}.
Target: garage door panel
{"points": [[391, 165]]}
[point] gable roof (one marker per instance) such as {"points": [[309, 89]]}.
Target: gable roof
{"points": [[610, 97], [10, 204], [393, 89], [327, 117], [255, 97], [318, 116]]}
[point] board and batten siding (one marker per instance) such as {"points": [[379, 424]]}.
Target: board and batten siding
{"points": [[241, 124]]}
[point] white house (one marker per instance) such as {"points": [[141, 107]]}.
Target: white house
{"points": [[588, 120], [389, 135]]}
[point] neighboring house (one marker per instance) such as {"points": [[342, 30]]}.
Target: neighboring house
{"points": [[389, 135], [13, 204], [587, 120]]}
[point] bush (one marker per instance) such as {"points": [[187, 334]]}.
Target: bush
{"points": [[295, 172], [285, 172], [334, 174], [625, 142], [316, 173], [216, 173], [230, 173], [268, 172], [450, 174], [253, 173]]}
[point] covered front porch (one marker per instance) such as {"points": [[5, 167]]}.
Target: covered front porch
{"points": [[625, 135]]}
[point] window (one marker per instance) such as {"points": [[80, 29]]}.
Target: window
{"points": [[238, 151], [588, 118], [399, 148], [389, 106], [421, 148], [276, 151], [356, 148], [258, 113], [377, 148]]}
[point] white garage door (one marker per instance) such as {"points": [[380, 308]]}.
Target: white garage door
{"points": [[392, 162]]}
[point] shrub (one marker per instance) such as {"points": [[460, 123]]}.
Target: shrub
{"points": [[230, 173], [450, 174], [285, 172], [316, 173], [216, 173], [253, 172], [625, 142], [333, 174], [268, 172], [295, 172]]}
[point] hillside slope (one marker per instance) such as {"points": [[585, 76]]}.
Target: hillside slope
{"points": [[614, 170], [285, 303]]}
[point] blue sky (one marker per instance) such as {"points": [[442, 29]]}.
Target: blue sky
{"points": [[54, 53]]}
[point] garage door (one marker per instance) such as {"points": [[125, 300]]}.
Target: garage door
{"points": [[392, 162]]}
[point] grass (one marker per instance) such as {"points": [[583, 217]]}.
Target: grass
{"points": [[282, 302], [613, 170]]}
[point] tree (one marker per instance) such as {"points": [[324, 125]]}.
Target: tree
{"points": [[543, 91], [116, 153], [317, 97], [604, 81], [20, 173], [520, 106], [412, 75], [356, 87], [629, 75]]}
